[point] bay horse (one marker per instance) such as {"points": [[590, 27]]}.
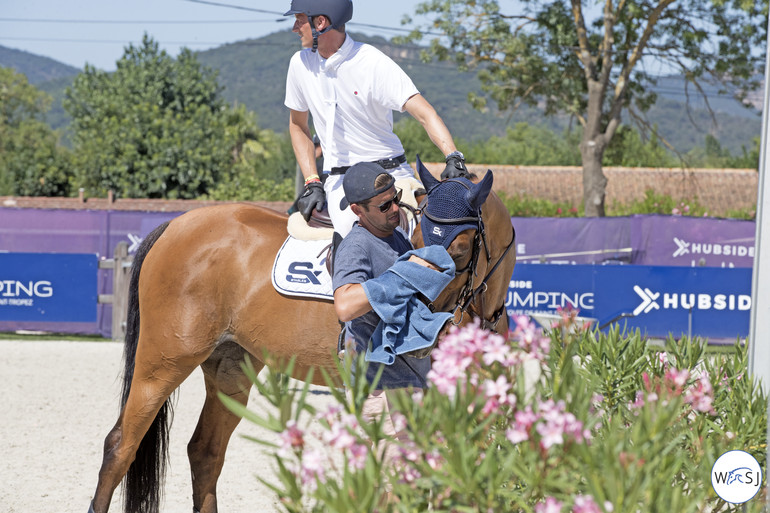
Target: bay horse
{"points": [[201, 296]]}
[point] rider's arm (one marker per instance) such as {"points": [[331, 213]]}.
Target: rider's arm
{"points": [[302, 142], [434, 126], [350, 301]]}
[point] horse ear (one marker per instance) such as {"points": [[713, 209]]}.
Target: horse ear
{"points": [[478, 194], [426, 178]]}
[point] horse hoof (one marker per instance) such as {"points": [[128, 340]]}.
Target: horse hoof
{"points": [[91, 508]]}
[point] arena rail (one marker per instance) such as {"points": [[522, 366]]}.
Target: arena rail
{"points": [[120, 264]]}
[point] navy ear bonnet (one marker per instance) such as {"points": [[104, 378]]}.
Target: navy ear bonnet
{"points": [[453, 206]]}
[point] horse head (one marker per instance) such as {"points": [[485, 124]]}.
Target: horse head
{"points": [[471, 222]]}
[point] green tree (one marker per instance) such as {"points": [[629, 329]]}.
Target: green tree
{"points": [[629, 149], [551, 55], [264, 166], [416, 141], [32, 163], [157, 127], [527, 145], [713, 155]]}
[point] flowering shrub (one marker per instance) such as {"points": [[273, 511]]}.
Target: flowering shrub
{"points": [[570, 420], [655, 203]]}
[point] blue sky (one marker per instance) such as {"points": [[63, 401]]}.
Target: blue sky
{"points": [[77, 32]]}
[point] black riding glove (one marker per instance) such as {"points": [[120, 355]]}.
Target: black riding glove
{"points": [[455, 166], [313, 198]]}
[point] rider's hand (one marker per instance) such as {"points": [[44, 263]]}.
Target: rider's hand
{"points": [[313, 198], [455, 166]]}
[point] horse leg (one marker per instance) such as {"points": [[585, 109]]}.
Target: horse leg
{"points": [[153, 382], [206, 451]]}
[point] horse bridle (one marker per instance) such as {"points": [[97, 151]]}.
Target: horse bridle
{"points": [[469, 294]]}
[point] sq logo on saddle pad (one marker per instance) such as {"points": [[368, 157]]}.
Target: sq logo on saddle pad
{"points": [[300, 269]]}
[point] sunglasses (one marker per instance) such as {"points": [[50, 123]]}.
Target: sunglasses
{"points": [[386, 206]]}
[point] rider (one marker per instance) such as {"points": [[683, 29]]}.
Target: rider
{"points": [[351, 89]]}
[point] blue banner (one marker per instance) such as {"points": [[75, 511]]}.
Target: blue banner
{"points": [[709, 302], [58, 287]]}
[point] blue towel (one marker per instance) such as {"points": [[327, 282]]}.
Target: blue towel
{"points": [[407, 324]]}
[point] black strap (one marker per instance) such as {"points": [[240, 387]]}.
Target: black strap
{"points": [[391, 163]]}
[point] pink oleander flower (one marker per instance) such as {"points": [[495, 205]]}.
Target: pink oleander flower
{"points": [[461, 354], [497, 389], [399, 421], [596, 402], [496, 350], [410, 452], [357, 454], [568, 315], [701, 395], [340, 435], [516, 435], [530, 338], [525, 417], [491, 406], [292, 439], [523, 421], [677, 377], [551, 505], [331, 413], [434, 459], [551, 422], [312, 468], [409, 474], [550, 434], [585, 504]]}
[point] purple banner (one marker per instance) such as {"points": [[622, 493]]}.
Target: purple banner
{"points": [[645, 240], [692, 241], [573, 240], [75, 231]]}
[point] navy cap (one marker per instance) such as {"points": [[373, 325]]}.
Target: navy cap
{"points": [[358, 183]]}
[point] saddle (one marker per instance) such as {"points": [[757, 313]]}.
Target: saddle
{"points": [[303, 266]]}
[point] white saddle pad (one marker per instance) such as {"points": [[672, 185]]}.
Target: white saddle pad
{"points": [[300, 269]]}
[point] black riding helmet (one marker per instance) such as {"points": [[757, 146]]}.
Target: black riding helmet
{"points": [[339, 12]]}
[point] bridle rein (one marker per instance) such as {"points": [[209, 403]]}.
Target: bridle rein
{"points": [[469, 293]]}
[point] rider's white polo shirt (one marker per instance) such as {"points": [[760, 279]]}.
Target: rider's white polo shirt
{"points": [[351, 96]]}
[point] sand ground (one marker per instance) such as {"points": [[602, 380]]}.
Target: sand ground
{"points": [[59, 400]]}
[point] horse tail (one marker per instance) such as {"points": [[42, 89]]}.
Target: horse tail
{"points": [[141, 487]]}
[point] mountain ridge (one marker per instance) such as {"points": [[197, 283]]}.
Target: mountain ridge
{"points": [[252, 72]]}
